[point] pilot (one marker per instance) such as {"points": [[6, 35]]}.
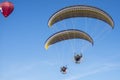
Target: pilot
{"points": [[63, 69], [77, 58]]}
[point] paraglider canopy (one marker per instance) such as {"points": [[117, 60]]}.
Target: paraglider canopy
{"points": [[80, 11], [66, 35], [6, 8]]}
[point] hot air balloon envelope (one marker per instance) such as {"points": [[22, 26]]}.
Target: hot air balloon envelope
{"points": [[7, 8]]}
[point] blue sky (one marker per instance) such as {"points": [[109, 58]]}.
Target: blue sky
{"points": [[24, 32]]}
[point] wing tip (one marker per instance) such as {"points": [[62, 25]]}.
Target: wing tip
{"points": [[46, 47]]}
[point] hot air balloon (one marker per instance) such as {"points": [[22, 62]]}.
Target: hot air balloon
{"points": [[6, 8]]}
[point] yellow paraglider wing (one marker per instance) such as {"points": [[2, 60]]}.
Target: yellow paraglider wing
{"points": [[66, 35], [80, 11]]}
